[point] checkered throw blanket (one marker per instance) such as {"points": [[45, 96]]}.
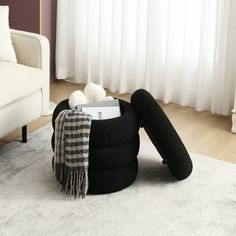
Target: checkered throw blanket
{"points": [[72, 130]]}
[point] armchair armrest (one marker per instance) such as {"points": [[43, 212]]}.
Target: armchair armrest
{"points": [[31, 49]]}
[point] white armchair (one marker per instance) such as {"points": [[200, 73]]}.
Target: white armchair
{"points": [[24, 86]]}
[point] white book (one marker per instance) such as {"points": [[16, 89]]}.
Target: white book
{"points": [[102, 113], [109, 103]]}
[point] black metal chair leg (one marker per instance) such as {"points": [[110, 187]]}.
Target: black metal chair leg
{"points": [[24, 134]]}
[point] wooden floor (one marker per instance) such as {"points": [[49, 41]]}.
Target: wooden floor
{"points": [[201, 132]]}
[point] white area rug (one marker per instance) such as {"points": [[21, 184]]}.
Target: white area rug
{"points": [[31, 202]]}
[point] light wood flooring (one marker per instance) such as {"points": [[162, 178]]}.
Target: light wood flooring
{"points": [[201, 132]]}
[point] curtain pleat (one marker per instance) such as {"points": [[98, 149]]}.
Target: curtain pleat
{"points": [[181, 51]]}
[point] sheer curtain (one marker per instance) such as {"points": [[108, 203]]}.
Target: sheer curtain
{"points": [[182, 51]]}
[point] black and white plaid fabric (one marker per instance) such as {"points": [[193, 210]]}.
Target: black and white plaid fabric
{"points": [[72, 130]]}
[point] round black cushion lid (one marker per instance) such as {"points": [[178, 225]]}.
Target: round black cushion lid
{"points": [[162, 134]]}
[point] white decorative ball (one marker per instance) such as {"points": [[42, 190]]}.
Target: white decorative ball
{"points": [[94, 92], [77, 98]]}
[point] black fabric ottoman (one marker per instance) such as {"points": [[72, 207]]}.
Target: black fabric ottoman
{"points": [[113, 150]]}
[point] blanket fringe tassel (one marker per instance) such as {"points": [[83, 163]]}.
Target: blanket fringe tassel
{"points": [[74, 183]]}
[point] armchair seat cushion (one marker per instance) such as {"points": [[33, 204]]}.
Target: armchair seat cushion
{"points": [[18, 81]]}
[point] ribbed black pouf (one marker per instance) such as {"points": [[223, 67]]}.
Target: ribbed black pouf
{"points": [[113, 150]]}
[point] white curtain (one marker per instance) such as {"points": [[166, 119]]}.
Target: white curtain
{"points": [[182, 51]]}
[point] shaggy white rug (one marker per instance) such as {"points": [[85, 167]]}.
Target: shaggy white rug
{"points": [[156, 204]]}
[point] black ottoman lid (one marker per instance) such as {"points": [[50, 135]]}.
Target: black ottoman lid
{"points": [[162, 134]]}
